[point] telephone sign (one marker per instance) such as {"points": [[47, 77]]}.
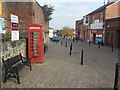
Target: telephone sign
{"points": [[35, 43]]}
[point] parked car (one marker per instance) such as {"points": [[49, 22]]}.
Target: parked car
{"points": [[55, 39]]}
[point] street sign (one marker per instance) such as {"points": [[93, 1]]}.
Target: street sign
{"points": [[15, 35], [14, 18], [2, 25], [15, 30], [15, 26]]}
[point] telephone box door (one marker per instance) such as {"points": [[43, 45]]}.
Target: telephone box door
{"points": [[35, 43]]}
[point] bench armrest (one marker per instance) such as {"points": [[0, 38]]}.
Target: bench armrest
{"points": [[24, 58]]}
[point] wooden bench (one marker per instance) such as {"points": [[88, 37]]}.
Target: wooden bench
{"points": [[13, 65]]}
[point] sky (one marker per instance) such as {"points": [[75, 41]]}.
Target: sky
{"points": [[68, 11]]}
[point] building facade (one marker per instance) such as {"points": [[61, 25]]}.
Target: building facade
{"points": [[96, 24], [112, 27], [51, 33], [27, 12], [78, 29], [85, 27]]}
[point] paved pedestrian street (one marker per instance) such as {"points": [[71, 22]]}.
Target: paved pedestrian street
{"points": [[59, 70]]}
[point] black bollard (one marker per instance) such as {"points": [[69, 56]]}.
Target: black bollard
{"points": [[61, 42], [56, 42], [89, 43], [73, 39], [98, 44], [81, 57], [116, 77], [71, 46], [102, 43], [70, 50], [66, 44], [112, 47]]}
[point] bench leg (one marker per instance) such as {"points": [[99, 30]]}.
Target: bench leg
{"points": [[5, 77], [29, 64], [30, 67], [18, 79]]}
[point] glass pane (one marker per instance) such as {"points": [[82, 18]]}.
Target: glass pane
{"points": [[35, 36], [34, 33]]}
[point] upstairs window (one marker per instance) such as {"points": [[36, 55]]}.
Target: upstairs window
{"points": [[101, 17], [93, 19], [86, 19]]}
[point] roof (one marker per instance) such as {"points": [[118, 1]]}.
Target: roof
{"points": [[100, 8]]}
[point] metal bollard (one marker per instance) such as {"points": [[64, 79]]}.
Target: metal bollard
{"points": [[81, 57], [66, 44], [116, 77], [61, 42], [112, 47], [98, 44], [102, 43], [71, 46], [70, 50]]}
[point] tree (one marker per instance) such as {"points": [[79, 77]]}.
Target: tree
{"points": [[47, 11], [67, 31]]}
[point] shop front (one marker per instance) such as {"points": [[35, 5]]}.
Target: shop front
{"points": [[96, 35]]}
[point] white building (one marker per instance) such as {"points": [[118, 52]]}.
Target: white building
{"points": [[51, 32], [112, 1]]}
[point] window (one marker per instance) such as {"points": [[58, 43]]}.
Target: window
{"points": [[86, 19], [101, 17], [93, 19]]}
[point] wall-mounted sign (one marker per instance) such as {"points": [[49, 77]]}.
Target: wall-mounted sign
{"points": [[2, 25], [14, 18], [15, 35], [14, 25]]}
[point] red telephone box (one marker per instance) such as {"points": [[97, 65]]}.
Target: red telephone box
{"points": [[35, 43]]}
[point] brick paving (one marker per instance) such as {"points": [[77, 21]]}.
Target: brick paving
{"points": [[59, 70]]}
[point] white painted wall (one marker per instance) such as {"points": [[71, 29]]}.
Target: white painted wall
{"points": [[96, 25], [51, 33]]}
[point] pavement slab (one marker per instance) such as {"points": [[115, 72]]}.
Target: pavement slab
{"points": [[59, 70]]}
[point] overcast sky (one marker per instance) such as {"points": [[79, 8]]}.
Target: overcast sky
{"points": [[68, 11]]}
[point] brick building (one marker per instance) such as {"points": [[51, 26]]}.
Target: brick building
{"points": [[27, 12], [97, 24], [92, 27], [85, 26], [112, 27], [82, 28]]}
